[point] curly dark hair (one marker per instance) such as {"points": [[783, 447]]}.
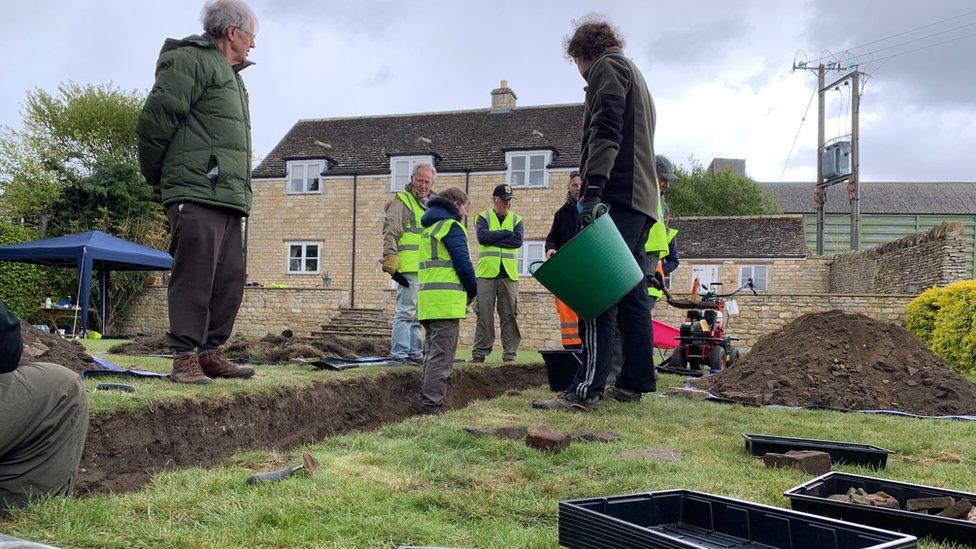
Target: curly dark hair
{"points": [[592, 38]]}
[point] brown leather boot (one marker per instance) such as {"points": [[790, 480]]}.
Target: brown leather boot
{"points": [[215, 365], [186, 369]]}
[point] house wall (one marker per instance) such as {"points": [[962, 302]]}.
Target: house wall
{"points": [[785, 276], [932, 258]]}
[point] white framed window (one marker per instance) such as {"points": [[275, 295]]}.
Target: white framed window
{"points": [[758, 273], [304, 258], [706, 274], [528, 168], [305, 176], [402, 166], [530, 252]]}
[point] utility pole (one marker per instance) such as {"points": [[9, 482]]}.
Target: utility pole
{"points": [[821, 185]]}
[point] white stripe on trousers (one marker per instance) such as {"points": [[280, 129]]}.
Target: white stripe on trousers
{"points": [[590, 358]]}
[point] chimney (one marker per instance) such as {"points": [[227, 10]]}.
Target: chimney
{"points": [[503, 98]]}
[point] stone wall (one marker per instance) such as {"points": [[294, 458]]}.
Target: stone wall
{"points": [[932, 258], [802, 276], [263, 311]]}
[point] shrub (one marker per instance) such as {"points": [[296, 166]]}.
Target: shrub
{"points": [[953, 337], [920, 314], [21, 284]]}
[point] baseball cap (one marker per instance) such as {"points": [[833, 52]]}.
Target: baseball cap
{"points": [[11, 345], [664, 168], [504, 192]]}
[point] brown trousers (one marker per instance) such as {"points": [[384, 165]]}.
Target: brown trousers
{"points": [[440, 346], [504, 292], [207, 281]]}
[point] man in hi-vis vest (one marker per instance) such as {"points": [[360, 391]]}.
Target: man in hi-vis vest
{"points": [[402, 234], [500, 236]]}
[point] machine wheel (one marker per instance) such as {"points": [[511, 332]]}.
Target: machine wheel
{"points": [[717, 359], [733, 358], [678, 357]]}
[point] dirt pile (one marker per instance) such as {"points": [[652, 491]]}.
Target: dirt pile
{"points": [[845, 361], [43, 347], [272, 349]]}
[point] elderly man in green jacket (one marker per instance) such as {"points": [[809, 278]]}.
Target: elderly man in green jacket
{"points": [[195, 149]]}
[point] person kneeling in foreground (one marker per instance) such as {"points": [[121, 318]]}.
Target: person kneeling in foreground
{"points": [[43, 422], [447, 288]]}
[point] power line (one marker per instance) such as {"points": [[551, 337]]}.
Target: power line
{"points": [[926, 37], [797, 136], [898, 34], [923, 47]]}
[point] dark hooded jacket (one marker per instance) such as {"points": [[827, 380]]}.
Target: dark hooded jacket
{"points": [[194, 132], [456, 242], [565, 225], [11, 344]]}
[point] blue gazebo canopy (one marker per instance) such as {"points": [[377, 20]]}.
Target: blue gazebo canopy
{"points": [[89, 251]]}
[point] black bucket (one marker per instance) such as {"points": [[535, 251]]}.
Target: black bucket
{"points": [[561, 367]]}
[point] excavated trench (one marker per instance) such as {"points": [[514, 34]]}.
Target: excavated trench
{"points": [[124, 450]]}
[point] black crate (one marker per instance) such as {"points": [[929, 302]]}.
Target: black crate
{"points": [[812, 498], [684, 518], [851, 453], [561, 367]]}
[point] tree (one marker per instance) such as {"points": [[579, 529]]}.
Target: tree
{"points": [[700, 193]]}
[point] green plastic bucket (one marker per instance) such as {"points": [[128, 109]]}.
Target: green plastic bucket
{"points": [[592, 271]]}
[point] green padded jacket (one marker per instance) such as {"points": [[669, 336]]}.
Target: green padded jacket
{"points": [[195, 128]]}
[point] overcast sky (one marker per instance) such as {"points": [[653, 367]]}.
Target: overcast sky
{"points": [[719, 71]]}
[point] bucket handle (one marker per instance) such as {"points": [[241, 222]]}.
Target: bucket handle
{"points": [[533, 267]]}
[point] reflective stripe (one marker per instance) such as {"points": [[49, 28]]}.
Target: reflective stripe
{"points": [[569, 325], [434, 264], [441, 286], [512, 255], [415, 230], [408, 247]]}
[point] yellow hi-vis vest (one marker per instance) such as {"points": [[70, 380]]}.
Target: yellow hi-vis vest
{"points": [[657, 238], [654, 292], [441, 295], [491, 258], [408, 247]]}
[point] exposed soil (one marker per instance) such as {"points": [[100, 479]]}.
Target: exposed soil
{"points": [[124, 450], [848, 362], [271, 349], [42, 347]]}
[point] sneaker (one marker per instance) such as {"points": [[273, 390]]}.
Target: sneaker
{"points": [[432, 410], [186, 369], [418, 360], [509, 360], [477, 360], [215, 365], [622, 395], [570, 402]]}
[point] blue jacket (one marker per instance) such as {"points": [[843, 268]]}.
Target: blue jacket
{"points": [[456, 243], [670, 262]]}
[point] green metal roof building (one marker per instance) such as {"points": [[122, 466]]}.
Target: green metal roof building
{"points": [[889, 210]]}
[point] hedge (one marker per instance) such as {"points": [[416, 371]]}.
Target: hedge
{"points": [[21, 284], [944, 319]]}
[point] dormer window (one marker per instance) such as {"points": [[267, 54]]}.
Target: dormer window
{"points": [[402, 166], [305, 176], [528, 168]]}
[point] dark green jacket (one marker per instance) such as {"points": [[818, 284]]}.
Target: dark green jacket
{"points": [[617, 158], [195, 128]]}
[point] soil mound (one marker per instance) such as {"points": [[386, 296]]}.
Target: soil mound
{"points": [[845, 361], [43, 347], [272, 349]]}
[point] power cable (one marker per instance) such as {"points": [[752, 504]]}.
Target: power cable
{"points": [[923, 47], [797, 136], [926, 37]]}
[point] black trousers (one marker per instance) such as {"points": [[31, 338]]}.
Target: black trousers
{"points": [[633, 316], [206, 285]]}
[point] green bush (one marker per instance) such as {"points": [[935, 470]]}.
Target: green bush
{"points": [[920, 314], [21, 284], [954, 336]]}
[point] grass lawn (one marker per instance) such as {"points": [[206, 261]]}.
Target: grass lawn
{"points": [[267, 380], [426, 482]]}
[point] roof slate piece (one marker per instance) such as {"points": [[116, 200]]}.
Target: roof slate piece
{"points": [[882, 197], [778, 236], [474, 140]]}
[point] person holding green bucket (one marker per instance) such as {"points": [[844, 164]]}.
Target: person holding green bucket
{"points": [[619, 181]]}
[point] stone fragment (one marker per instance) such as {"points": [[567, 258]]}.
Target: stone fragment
{"points": [[840, 497], [512, 392], [972, 515], [542, 438], [655, 454], [588, 435], [690, 394], [957, 510], [808, 461], [925, 504], [515, 432]]}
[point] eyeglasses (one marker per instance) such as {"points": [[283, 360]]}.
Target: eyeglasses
{"points": [[251, 34]]}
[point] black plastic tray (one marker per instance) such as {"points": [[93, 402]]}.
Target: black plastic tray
{"points": [[812, 497], [851, 453], [684, 518], [681, 371], [561, 366]]}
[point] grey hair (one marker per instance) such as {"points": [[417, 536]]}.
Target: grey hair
{"points": [[423, 166], [219, 15]]}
